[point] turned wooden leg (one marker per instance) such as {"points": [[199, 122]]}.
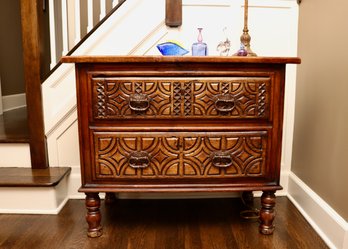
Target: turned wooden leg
{"points": [[267, 213], [110, 198], [93, 216]]}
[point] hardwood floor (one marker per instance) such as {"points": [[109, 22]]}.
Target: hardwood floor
{"points": [[159, 224], [14, 126]]}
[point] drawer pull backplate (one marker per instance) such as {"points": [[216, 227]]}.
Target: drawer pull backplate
{"points": [[139, 102], [139, 159], [224, 102], [221, 159]]}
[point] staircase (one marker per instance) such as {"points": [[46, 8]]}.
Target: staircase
{"points": [[27, 190], [47, 187]]}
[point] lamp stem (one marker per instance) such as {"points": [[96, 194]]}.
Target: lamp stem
{"points": [[245, 37], [246, 4]]}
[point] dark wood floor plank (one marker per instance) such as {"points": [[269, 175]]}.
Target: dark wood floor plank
{"points": [[164, 224]]}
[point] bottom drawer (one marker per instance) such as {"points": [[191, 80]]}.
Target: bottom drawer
{"points": [[179, 155]]}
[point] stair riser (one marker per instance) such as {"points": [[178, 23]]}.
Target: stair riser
{"points": [[14, 155], [34, 200]]}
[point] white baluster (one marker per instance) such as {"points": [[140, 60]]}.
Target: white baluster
{"points": [[102, 9], [65, 37], [90, 15], [52, 23], [77, 22]]}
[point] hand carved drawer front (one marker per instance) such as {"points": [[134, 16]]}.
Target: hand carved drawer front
{"points": [[180, 124], [116, 98], [123, 155]]}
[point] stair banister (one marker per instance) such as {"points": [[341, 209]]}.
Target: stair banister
{"points": [[31, 16]]}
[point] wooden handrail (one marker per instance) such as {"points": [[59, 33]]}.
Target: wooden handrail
{"points": [[115, 8]]}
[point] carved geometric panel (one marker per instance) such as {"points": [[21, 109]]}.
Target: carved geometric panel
{"points": [[250, 97], [115, 98], [111, 98], [178, 155]]}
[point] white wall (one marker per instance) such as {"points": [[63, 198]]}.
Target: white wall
{"points": [[138, 26]]}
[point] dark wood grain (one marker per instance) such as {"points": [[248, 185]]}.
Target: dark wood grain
{"points": [[30, 19], [159, 224], [14, 126], [178, 59], [173, 13], [93, 216], [28, 177]]}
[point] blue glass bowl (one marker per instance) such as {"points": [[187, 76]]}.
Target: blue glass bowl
{"points": [[171, 48]]}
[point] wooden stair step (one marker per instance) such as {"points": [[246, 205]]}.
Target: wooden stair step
{"points": [[28, 177]]}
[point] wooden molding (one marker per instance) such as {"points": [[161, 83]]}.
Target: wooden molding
{"points": [[30, 20]]}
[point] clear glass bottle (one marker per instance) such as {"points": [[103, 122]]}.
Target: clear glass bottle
{"points": [[199, 48]]}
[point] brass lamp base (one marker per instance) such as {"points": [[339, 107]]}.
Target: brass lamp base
{"points": [[245, 40]]}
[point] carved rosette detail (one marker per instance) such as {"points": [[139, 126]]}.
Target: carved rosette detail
{"points": [[180, 155], [101, 100]]}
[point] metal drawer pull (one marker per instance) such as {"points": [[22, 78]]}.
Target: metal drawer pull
{"points": [[139, 102], [221, 159], [139, 159], [224, 102]]}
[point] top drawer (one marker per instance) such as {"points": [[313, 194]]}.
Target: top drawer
{"points": [[205, 98]]}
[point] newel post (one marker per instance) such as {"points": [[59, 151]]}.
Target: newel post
{"points": [[30, 20], [173, 13]]}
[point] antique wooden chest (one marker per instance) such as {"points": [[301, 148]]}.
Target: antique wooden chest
{"points": [[180, 124]]}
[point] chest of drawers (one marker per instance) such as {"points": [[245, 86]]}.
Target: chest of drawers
{"points": [[180, 124]]}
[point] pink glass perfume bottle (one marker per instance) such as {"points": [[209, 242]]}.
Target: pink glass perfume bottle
{"points": [[199, 48]]}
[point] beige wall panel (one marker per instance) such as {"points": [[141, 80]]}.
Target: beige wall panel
{"points": [[320, 149]]}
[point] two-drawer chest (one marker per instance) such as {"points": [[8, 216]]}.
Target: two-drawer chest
{"points": [[180, 124]]}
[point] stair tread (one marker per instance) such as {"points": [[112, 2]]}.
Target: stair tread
{"points": [[28, 177]]}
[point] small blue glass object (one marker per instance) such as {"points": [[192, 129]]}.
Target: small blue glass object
{"points": [[171, 48], [199, 48]]}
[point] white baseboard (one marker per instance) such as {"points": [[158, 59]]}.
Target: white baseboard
{"points": [[330, 226], [11, 102]]}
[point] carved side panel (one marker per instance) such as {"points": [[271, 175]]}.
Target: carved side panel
{"points": [[177, 155]]}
